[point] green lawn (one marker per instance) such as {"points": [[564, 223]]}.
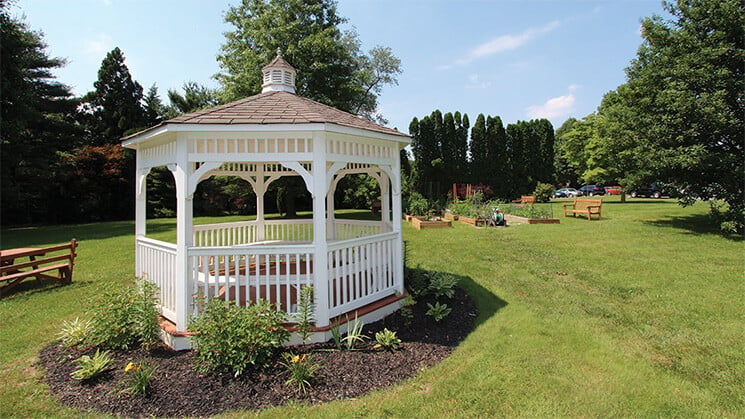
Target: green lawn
{"points": [[640, 314]]}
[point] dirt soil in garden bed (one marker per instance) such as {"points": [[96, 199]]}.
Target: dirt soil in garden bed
{"points": [[178, 390]]}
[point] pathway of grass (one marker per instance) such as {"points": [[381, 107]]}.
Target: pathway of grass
{"points": [[640, 314]]}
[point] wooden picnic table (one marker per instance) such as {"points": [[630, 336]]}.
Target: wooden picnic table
{"points": [[13, 269]]}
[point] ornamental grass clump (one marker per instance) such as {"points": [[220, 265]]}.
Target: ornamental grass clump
{"points": [[301, 368], [126, 316], [75, 332], [229, 338]]}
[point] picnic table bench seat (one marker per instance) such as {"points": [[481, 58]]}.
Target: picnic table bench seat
{"points": [[14, 268], [524, 200]]}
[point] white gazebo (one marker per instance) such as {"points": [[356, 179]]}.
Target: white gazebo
{"points": [[353, 265]]}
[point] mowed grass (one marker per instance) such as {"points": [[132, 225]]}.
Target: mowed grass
{"points": [[640, 314]]}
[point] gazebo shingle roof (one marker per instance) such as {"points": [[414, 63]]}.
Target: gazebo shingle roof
{"points": [[277, 107]]}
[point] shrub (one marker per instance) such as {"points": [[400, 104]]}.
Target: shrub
{"points": [[90, 367], [416, 281], [543, 192], [419, 205], [227, 337], [126, 316], [75, 332], [301, 368]]}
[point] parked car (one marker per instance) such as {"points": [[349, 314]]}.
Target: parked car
{"points": [[654, 190], [566, 193], [613, 190], [592, 190]]}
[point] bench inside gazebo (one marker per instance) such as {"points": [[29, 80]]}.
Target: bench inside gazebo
{"points": [[353, 265]]}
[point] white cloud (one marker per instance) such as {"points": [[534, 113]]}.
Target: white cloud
{"points": [[100, 45], [502, 43], [475, 82], [554, 107]]}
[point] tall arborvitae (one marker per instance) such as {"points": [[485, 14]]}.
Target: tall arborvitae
{"points": [[461, 147], [545, 132], [517, 161], [479, 158], [497, 164], [449, 150]]}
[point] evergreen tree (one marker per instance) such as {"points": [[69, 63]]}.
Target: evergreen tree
{"points": [[461, 147], [479, 158], [35, 123], [517, 160], [498, 174], [194, 98], [115, 106], [153, 107], [545, 132]]}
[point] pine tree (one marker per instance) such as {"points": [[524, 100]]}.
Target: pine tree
{"points": [[498, 174], [35, 123], [479, 158], [115, 106]]}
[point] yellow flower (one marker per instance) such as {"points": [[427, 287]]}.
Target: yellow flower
{"points": [[296, 359], [130, 367]]}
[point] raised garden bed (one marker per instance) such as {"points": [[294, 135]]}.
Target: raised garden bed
{"points": [[472, 221], [450, 216], [432, 223], [525, 220]]}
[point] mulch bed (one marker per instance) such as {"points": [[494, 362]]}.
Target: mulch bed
{"points": [[178, 390]]}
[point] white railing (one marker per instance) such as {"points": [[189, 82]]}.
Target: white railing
{"points": [[246, 274], [351, 229], [360, 271], [300, 230], [246, 232], [156, 261]]}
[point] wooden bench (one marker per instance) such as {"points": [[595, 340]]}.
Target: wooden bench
{"points": [[524, 200], [19, 264], [588, 207]]}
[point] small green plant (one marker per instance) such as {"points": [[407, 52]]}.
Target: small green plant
{"points": [[419, 205], [353, 335], [126, 316], [416, 281], [438, 311], [89, 367], [407, 307], [75, 332], [441, 284], [227, 337], [336, 335], [304, 316], [387, 340], [301, 368], [138, 377]]}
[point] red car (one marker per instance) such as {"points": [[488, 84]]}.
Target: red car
{"points": [[613, 190]]}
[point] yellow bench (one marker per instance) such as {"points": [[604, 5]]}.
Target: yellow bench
{"points": [[588, 207]]}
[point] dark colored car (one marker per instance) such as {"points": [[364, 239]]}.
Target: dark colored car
{"points": [[654, 190], [592, 190]]}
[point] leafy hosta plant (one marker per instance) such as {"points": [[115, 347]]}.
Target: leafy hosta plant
{"points": [[438, 311], [91, 366], [387, 339], [442, 285]]}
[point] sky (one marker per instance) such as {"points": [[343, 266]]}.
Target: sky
{"points": [[515, 59]]}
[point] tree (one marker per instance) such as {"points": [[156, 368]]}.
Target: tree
{"points": [[115, 106], [331, 68], [682, 110], [499, 175], [195, 97], [153, 107], [479, 158], [35, 123]]}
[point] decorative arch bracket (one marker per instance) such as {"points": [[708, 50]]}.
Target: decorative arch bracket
{"points": [[300, 170], [198, 174]]}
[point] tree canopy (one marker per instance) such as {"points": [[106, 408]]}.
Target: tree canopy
{"points": [[331, 68]]}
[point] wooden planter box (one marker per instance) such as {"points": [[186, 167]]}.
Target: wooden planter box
{"points": [[425, 224], [408, 217], [517, 219], [450, 216], [472, 221]]}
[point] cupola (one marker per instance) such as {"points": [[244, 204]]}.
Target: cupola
{"points": [[279, 75]]}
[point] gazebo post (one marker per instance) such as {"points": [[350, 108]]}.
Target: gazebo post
{"points": [[260, 189], [184, 234], [320, 244], [330, 219], [397, 215]]}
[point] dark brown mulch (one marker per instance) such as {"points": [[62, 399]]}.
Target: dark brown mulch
{"points": [[178, 390]]}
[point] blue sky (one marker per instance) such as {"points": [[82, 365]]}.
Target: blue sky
{"points": [[519, 60]]}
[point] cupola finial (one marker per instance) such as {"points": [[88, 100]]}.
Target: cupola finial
{"points": [[278, 75]]}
